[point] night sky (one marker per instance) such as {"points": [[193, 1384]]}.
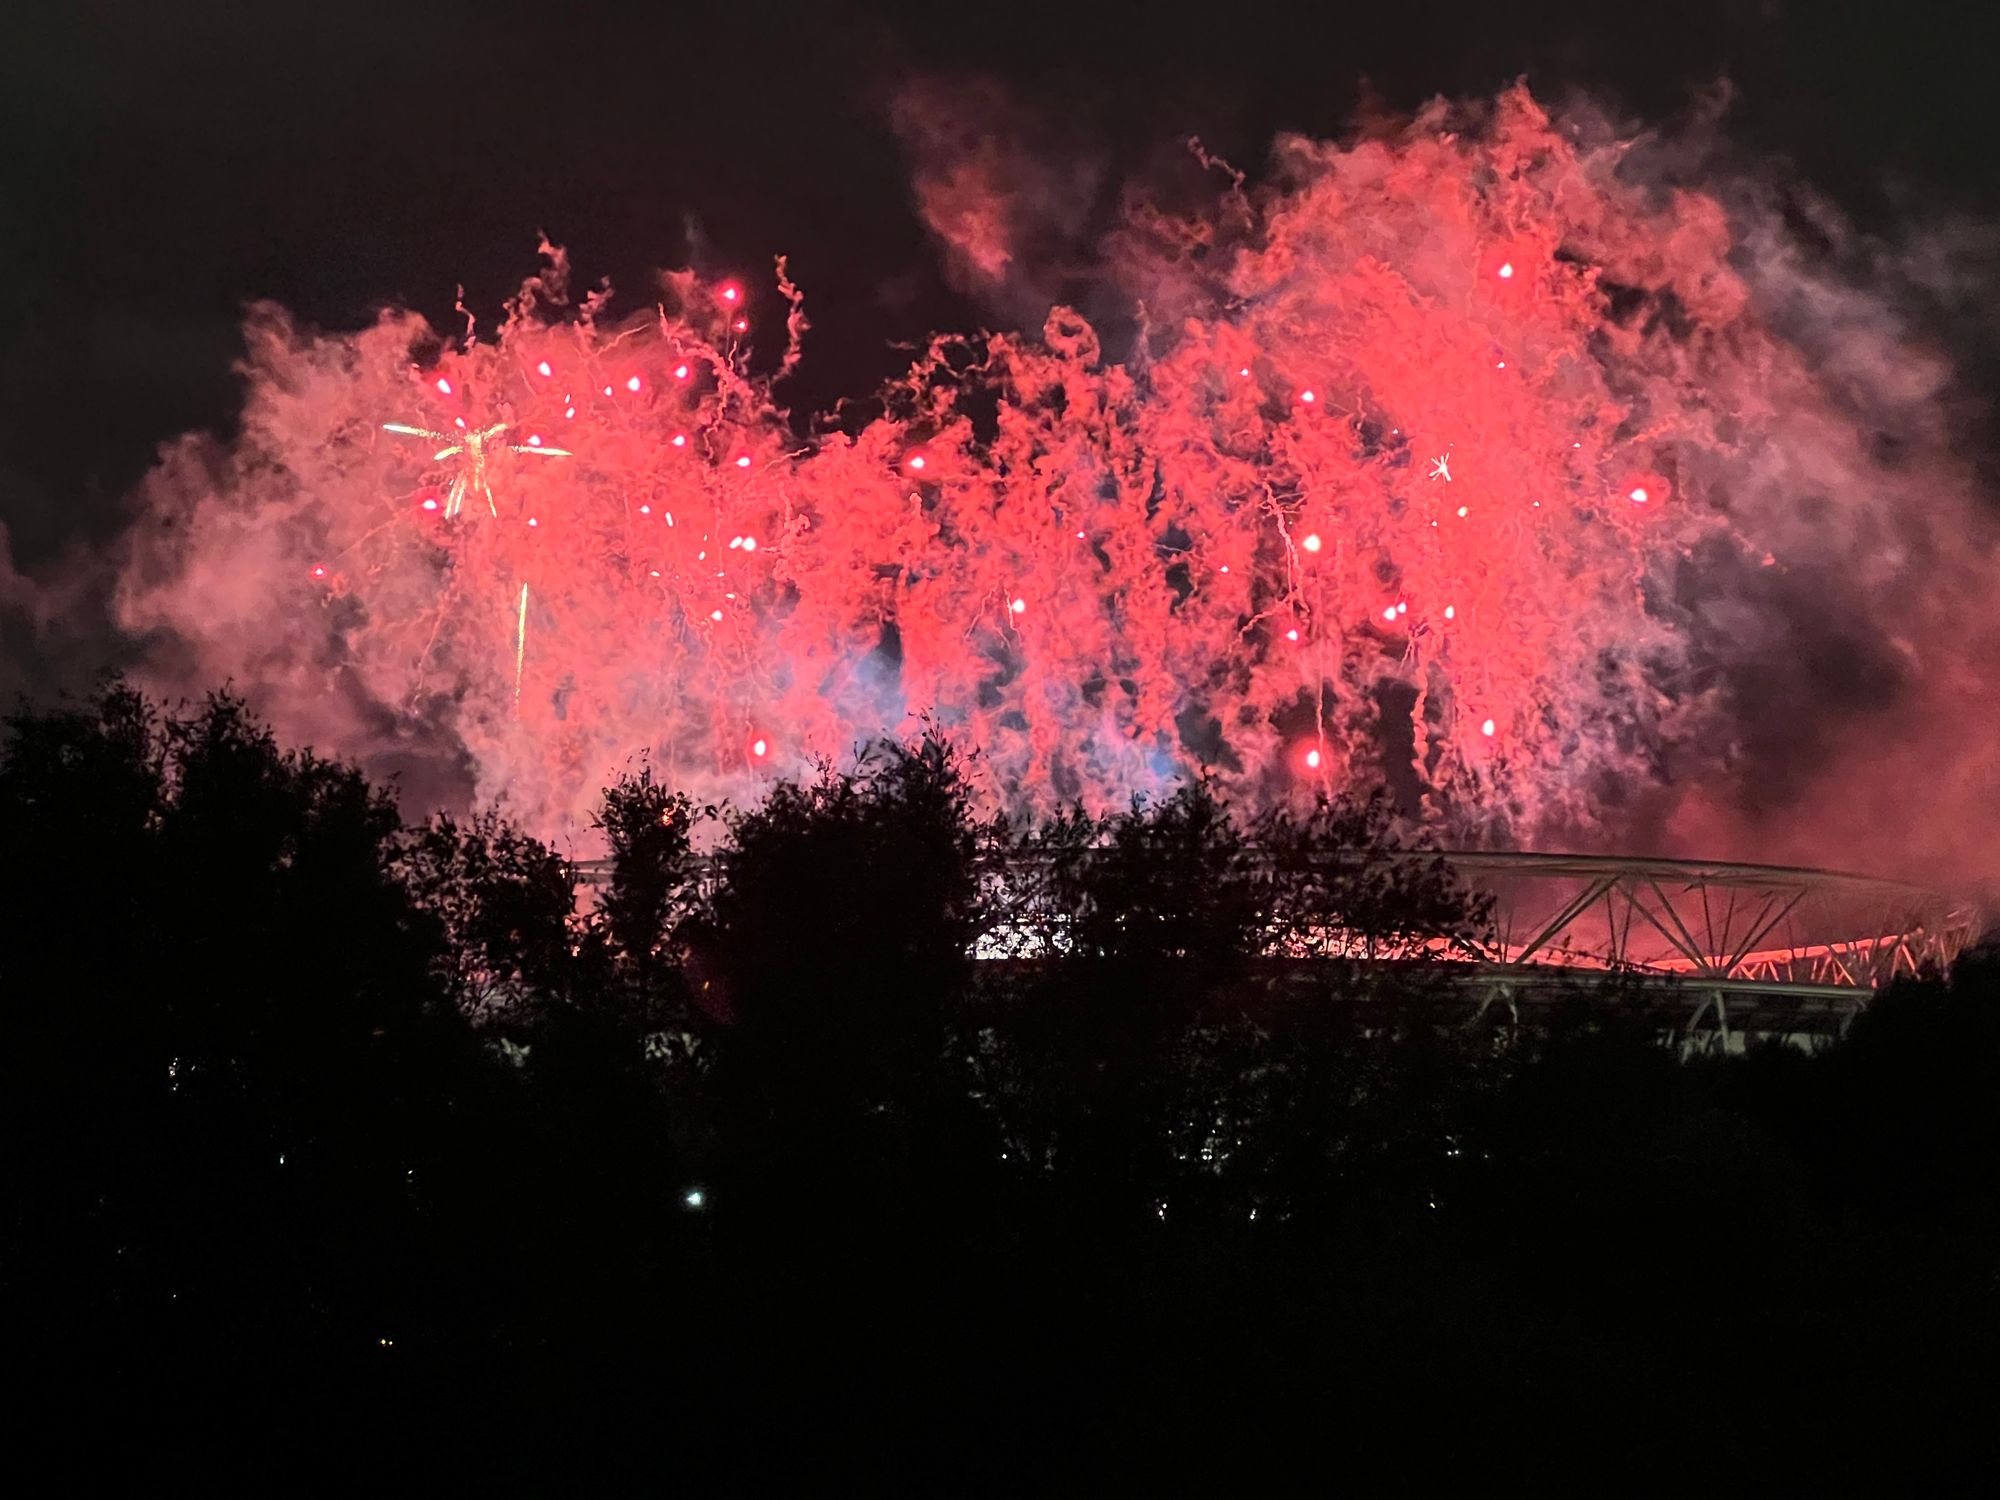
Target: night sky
{"points": [[168, 163]]}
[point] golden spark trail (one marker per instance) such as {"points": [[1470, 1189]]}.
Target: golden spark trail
{"points": [[520, 646]]}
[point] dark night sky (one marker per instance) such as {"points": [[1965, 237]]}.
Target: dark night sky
{"points": [[168, 162]]}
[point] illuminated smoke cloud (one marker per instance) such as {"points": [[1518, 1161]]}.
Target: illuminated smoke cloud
{"points": [[1464, 460], [1006, 204]]}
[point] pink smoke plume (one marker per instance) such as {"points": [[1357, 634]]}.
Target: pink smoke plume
{"points": [[1459, 458]]}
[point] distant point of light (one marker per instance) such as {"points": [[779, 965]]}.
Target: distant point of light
{"points": [[735, 542], [667, 516], [1307, 397], [533, 522], [430, 504], [319, 570], [459, 422], [444, 385], [645, 510], [1639, 495], [742, 460], [1402, 608], [543, 368], [1464, 511], [731, 292], [1311, 543], [1019, 606], [1451, 612], [680, 372], [534, 441], [632, 383], [1291, 635], [1312, 760], [749, 544], [1223, 569], [1487, 729], [653, 573], [1389, 614], [1501, 366], [1244, 372], [715, 615], [741, 325], [759, 749], [1507, 271], [914, 461], [569, 411], [694, 1198], [607, 390]]}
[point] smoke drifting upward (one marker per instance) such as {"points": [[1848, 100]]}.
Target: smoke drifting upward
{"points": [[1463, 459]]}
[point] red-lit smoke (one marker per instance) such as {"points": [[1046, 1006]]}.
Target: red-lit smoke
{"points": [[1456, 460]]}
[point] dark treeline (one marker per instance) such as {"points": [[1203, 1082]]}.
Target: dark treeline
{"points": [[340, 1151]]}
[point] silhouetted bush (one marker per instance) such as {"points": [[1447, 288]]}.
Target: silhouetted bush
{"points": [[1203, 1156]]}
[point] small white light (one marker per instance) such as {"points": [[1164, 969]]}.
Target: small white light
{"points": [[1487, 729], [694, 1198], [1311, 543], [1019, 606]]}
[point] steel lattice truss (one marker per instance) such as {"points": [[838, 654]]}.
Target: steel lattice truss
{"points": [[1751, 923], [1732, 947]]}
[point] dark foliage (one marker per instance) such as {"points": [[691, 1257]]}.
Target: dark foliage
{"points": [[327, 1136]]}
